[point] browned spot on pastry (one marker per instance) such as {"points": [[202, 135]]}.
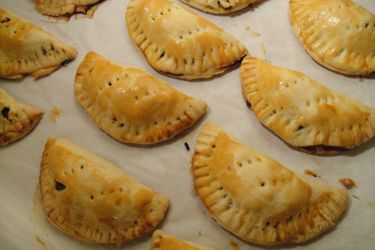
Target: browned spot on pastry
{"points": [[348, 183]]}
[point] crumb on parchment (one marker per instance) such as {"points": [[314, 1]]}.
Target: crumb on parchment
{"points": [[234, 245], [347, 182], [307, 171]]}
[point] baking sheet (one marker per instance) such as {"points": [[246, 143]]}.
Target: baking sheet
{"points": [[165, 167]]}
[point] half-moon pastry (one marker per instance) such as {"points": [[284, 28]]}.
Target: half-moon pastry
{"points": [[177, 42], [256, 198], [91, 200], [16, 119], [303, 113], [338, 34], [58, 8], [219, 6], [27, 49], [161, 241], [131, 105]]}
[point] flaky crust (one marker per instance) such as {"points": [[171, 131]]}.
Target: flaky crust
{"points": [[219, 6], [190, 47], [93, 201], [131, 105], [68, 8], [27, 49], [161, 241], [16, 119], [338, 34], [302, 112], [258, 199]]}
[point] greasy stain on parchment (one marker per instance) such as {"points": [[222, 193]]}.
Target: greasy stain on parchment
{"points": [[54, 114]]}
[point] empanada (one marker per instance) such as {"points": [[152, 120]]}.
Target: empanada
{"points": [[338, 34], [16, 119], [258, 199], [67, 8], [161, 241], [91, 200], [219, 6], [302, 112], [131, 105], [27, 49], [177, 42]]}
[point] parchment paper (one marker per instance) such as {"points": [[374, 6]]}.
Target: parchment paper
{"points": [[165, 167]]}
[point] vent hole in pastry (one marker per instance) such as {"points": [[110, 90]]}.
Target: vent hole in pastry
{"points": [[155, 123], [230, 203], [366, 25], [213, 146], [121, 125], [109, 84], [5, 112], [268, 223], [135, 223], [161, 13], [136, 97], [276, 225], [300, 127], [258, 159], [249, 161], [240, 164], [262, 184], [308, 104], [114, 119], [59, 186], [44, 51], [162, 55], [52, 48], [91, 197]]}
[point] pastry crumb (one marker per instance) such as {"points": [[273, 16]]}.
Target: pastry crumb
{"points": [[252, 33], [187, 146], [54, 114], [355, 197], [234, 245], [307, 171], [41, 242], [348, 183]]}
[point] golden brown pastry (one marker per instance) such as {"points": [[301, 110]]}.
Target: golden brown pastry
{"points": [[91, 200], [161, 241], [338, 34], [177, 42], [67, 8], [256, 198], [16, 119], [303, 113], [131, 105], [219, 6], [27, 49]]}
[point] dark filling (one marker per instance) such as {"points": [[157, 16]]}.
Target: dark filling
{"points": [[66, 62], [59, 186], [5, 20], [5, 112]]}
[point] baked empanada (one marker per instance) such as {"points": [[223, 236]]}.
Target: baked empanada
{"points": [[27, 49], [67, 8], [219, 6], [131, 105], [16, 119], [258, 199], [161, 241], [338, 34], [177, 42], [91, 200], [302, 112]]}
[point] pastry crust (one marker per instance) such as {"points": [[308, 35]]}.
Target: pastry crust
{"points": [[219, 6], [131, 105], [91, 200], [177, 42], [16, 119], [338, 34], [256, 198], [319, 121], [57, 8], [162, 241], [27, 49]]}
